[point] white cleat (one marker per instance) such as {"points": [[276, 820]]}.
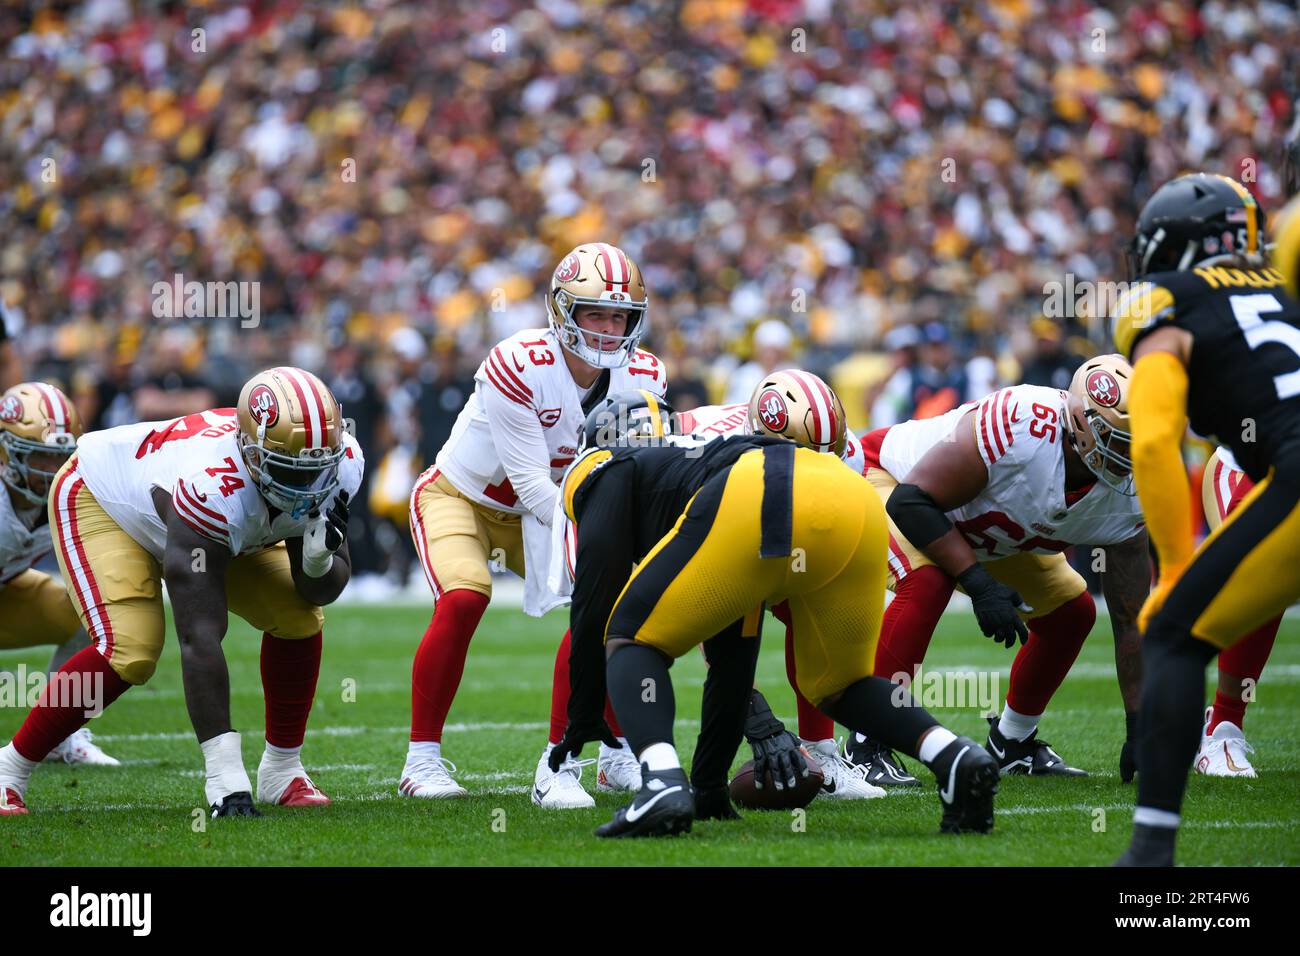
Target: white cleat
{"points": [[80, 748], [561, 789], [841, 780], [1223, 753], [617, 770], [429, 778]]}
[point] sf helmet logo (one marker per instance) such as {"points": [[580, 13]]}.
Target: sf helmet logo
{"points": [[263, 406], [567, 270], [11, 409], [772, 410], [1103, 389]]}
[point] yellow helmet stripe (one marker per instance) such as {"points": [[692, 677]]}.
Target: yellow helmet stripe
{"points": [[1252, 213], [579, 472], [653, 402]]}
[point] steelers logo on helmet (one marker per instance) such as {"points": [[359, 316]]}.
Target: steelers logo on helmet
{"points": [[567, 270], [1102, 388], [263, 406], [772, 411], [11, 409]]}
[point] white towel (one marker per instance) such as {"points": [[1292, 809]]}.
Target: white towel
{"points": [[543, 590]]}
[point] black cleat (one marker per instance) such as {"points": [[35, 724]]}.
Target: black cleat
{"points": [[664, 806], [1151, 846], [1030, 756], [236, 805], [967, 778], [878, 763]]}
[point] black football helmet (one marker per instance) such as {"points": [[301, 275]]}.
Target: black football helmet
{"points": [[627, 419], [1194, 218]]}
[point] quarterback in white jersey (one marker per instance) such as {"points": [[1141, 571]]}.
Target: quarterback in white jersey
{"points": [[39, 428], [486, 503], [238, 510], [987, 497]]}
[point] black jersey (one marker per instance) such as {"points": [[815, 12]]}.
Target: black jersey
{"points": [[1244, 372]]}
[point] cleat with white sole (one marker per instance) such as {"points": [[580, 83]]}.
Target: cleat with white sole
{"points": [[430, 779], [1224, 752], [11, 802], [561, 789], [80, 749], [841, 780], [617, 770]]}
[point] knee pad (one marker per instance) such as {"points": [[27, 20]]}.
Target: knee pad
{"points": [[134, 672]]}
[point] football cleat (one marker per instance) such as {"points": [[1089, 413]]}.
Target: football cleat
{"points": [[664, 806], [617, 769], [561, 789], [11, 802], [879, 766], [841, 780], [235, 805], [1030, 756], [80, 748], [282, 780], [1223, 753], [429, 778], [1151, 846], [967, 778]]}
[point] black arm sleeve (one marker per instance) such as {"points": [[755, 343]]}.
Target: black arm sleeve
{"points": [[917, 515], [606, 541]]}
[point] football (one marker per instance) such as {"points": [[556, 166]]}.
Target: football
{"points": [[745, 794]]}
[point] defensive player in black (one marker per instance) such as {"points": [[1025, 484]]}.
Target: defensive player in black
{"points": [[1215, 339], [714, 532]]}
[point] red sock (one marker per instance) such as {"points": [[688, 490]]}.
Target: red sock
{"points": [[289, 672], [909, 621], [611, 719], [47, 724], [1243, 660], [813, 724], [560, 692], [1055, 640], [440, 660]]}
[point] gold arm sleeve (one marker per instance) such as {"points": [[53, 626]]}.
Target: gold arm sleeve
{"points": [[1158, 412]]}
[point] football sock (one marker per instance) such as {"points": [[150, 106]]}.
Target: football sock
{"points": [[1016, 726], [884, 712], [289, 672], [813, 724], [48, 723], [934, 743], [560, 691], [909, 622], [15, 769], [423, 750], [1243, 661], [642, 692], [284, 755], [224, 763], [440, 660], [1169, 719], [611, 718], [660, 757], [1054, 643]]}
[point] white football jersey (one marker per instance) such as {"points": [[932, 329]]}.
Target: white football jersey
{"points": [[519, 429], [196, 460], [20, 547], [713, 421], [1024, 507]]}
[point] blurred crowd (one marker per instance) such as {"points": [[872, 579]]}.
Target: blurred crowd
{"points": [[879, 191]]}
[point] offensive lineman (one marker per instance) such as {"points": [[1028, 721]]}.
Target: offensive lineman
{"points": [[238, 509], [491, 493]]}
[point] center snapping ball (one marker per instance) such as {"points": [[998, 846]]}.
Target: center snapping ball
{"points": [[745, 794]]}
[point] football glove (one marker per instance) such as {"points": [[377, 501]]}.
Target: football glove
{"points": [[575, 736], [1128, 754], [996, 606], [324, 537], [776, 750]]}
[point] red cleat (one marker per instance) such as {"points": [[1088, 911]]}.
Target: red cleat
{"points": [[11, 802], [301, 792]]}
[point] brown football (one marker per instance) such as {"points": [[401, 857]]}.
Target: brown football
{"points": [[745, 794]]}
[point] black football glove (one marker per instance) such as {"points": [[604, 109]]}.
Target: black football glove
{"points": [[714, 804], [776, 750], [575, 736], [336, 522], [996, 606], [1128, 754]]}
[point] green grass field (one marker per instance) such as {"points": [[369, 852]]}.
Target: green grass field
{"points": [[143, 813]]}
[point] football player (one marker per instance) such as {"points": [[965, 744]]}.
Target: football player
{"points": [[794, 404], [488, 499], [986, 497], [1214, 338], [239, 510], [39, 428], [713, 533]]}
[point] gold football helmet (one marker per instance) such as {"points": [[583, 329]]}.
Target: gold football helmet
{"points": [[797, 405], [291, 437], [1286, 253], [597, 274], [1098, 427], [39, 428]]}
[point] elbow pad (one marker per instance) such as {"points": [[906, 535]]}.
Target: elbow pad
{"points": [[917, 516]]}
